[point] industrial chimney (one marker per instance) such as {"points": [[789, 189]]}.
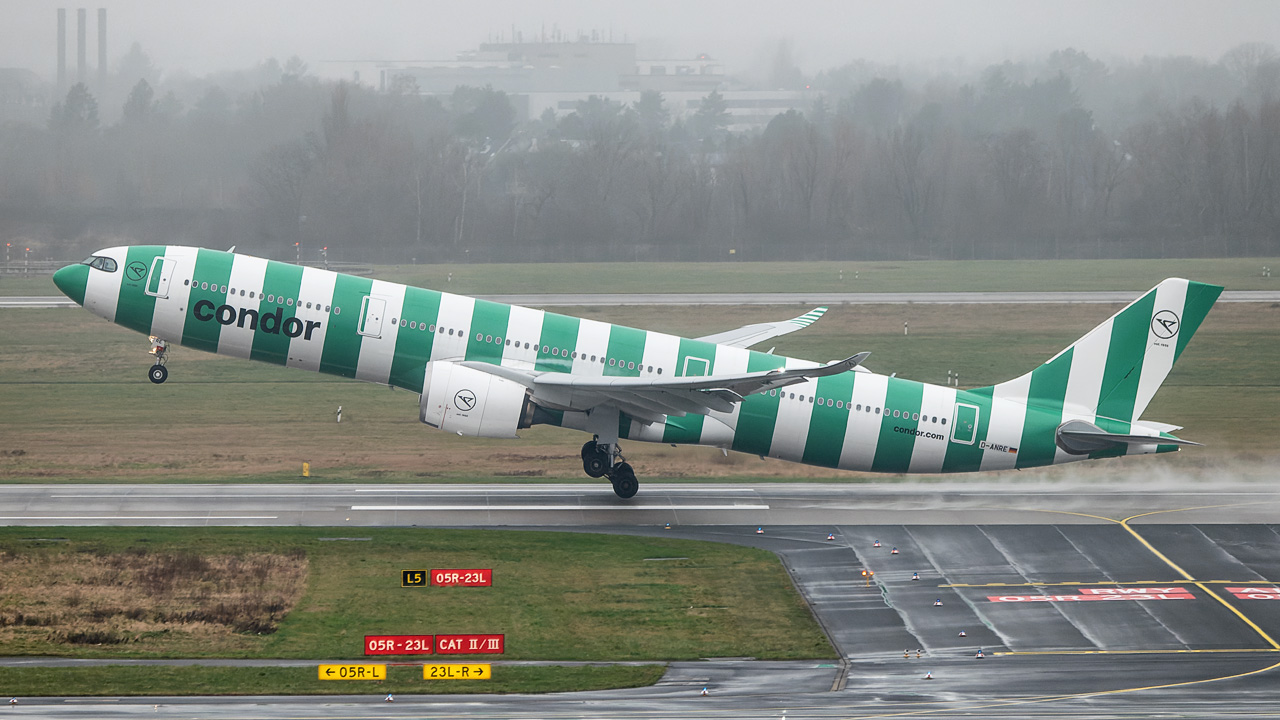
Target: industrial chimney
{"points": [[82, 70], [62, 50], [102, 50]]}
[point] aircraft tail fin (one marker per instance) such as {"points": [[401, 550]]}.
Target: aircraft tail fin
{"points": [[1115, 369]]}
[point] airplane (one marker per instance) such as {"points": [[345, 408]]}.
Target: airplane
{"points": [[487, 369]]}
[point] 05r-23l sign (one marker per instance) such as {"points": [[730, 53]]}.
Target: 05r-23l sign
{"points": [[480, 577]]}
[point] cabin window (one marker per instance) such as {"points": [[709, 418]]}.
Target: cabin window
{"points": [[289, 302], [413, 324], [337, 311], [631, 366]]}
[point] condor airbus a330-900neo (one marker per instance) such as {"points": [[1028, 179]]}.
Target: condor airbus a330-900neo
{"points": [[487, 369]]}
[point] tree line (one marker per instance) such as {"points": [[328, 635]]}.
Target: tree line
{"points": [[1063, 157]]}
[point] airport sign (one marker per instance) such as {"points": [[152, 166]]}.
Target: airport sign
{"points": [[414, 578], [398, 644], [457, 672], [469, 644], [353, 672], [462, 578]]}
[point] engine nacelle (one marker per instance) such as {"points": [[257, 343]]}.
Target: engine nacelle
{"points": [[472, 402]]}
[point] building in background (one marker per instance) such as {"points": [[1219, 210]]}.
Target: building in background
{"points": [[556, 75]]}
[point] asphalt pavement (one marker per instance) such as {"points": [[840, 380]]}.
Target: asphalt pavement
{"points": [[1077, 612]]}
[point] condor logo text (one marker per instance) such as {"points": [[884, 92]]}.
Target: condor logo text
{"points": [[271, 323]]}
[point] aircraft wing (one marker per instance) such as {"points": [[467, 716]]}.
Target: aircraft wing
{"points": [[749, 335], [650, 399]]}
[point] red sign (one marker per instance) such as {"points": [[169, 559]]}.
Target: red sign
{"points": [[1255, 593], [463, 578], [469, 644], [1112, 593], [398, 644]]}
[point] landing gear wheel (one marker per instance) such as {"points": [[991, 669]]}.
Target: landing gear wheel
{"points": [[624, 481], [595, 462], [158, 374]]}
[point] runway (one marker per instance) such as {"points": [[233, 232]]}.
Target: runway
{"points": [[1080, 608], [572, 505], [800, 298]]}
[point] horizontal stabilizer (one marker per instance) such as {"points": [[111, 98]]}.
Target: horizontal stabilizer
{"points": [[1077, 437]]}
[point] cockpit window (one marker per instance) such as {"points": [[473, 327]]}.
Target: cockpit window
{"points": [[105, 264]]}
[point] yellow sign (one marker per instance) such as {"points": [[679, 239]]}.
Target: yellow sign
{"points": [[457, 672], [353, 672]]}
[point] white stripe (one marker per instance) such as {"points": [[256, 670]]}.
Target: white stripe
{"points": [[792, 427], [862, 434], [1088, 363], [317, 288], [376, 353], [1004, 427], [524, 325], [661, 351], [102, 289], [927, 454], [170, 316], [593, 340], [482, 508], [1170, 295], [728, 361], [455, 316], [247, 273]]}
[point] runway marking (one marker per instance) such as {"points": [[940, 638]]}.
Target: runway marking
{"points": [[139, 517], [1106, 582], [1125, 524], [566, 491], [471, 508], [1134, 652], [1058, 698]]}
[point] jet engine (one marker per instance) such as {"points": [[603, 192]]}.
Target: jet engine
{"points": [[472, 402]]}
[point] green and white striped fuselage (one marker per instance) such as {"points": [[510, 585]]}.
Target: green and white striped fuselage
{"points": [[381, 332]]}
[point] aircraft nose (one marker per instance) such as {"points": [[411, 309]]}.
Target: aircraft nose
{"points": [[71, 280]]}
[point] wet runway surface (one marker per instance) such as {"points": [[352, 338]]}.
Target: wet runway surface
{"points": [[1078, 612]]}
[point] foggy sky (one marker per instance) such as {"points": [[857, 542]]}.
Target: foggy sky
{"points": [[203, 36]]}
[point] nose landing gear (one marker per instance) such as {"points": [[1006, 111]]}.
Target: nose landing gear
{"points": [[158, 372], [605, 460]]}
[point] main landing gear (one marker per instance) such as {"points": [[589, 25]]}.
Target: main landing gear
{"points": [[158, 372], [605, 460]]}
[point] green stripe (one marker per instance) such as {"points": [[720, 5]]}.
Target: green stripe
{"points": [[1045, 397], [1128, 347], [559, 332], [489, 321], [968, 458], [758, 414], [283, 281], [688, 429], [827, 424], [626, 345], [1200, 299], [135, 309], [341, 341], [413, 346], [213, 267], [893, 451]]}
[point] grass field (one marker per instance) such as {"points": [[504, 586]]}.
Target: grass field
{"points": [[836, 276], [555, 596], [117, 680], [75, 405]]}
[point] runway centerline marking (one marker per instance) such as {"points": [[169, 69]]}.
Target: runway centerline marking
{"points": [[1074, 583], [472, 508]]}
